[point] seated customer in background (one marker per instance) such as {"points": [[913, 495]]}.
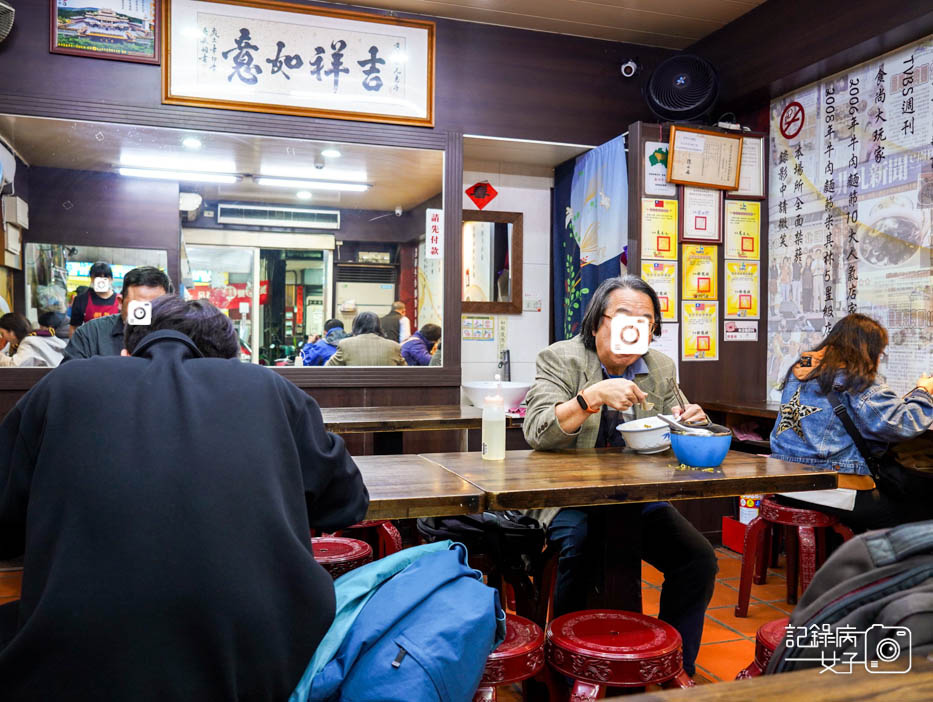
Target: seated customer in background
{"points": [[808, 431], [317, 353], [367, 346], [419, 347], [24, 348], [97, 301], [174, 564], [104, 336], [581, 387]]}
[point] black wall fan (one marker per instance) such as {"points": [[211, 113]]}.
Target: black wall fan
{"points": [[682, 88]]}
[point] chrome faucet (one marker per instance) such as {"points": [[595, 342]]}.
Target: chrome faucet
{"points": [[505, 365]]}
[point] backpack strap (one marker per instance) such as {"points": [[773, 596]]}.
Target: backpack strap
{"points": [[893, 545], [840, 411]]}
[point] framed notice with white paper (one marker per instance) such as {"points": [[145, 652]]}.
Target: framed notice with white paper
{"points": [[752, 170], [285, 58], [704, 158], [701, 221]]}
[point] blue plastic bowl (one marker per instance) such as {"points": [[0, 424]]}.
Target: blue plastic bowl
{"points": [[701, 451]]}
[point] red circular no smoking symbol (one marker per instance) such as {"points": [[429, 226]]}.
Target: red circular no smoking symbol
{"points": [[792, 120]]}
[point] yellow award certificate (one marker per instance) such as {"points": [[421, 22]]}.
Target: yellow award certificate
{"points": [[699, 329], [743, 229], [700, 272], [742, 289], [662, 277], [659, 229]]}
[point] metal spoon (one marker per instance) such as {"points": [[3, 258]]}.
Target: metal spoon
{"points": [[684, 427]]}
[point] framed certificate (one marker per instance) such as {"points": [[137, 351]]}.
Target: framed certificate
{"points": [[659, 229], [742, 225], [751, 172], [701, 215], [704, 158]]}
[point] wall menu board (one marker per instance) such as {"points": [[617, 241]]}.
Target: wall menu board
{"points": [[704, 158], [851, 212]]}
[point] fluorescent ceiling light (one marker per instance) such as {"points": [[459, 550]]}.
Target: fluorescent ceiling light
{"points": [[184, 176], [192, 143], [303, 194], [309, 172], [312, 184], [330, 153]]}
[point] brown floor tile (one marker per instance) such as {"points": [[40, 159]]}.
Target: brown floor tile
{"points": [[723, 595], [725, 660], [714, 632], [783, 606], [729, 567], [704, 674], [727, 552], [10, 584], [651, 575], [758, 613]]}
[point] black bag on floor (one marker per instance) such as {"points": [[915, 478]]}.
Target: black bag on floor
{"points": [[512, 539], [894, 479], [870, 603]]}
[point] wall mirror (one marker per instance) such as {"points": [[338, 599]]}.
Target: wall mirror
{"points": [[283, 235], [492, 262]]}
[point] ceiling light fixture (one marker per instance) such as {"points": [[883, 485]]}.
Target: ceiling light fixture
{"points": [[303, 194], [183, 176], [330, 153], [312, 184], [192, 143]]}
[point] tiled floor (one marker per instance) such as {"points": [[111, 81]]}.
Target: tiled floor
{"points": [[728, 641]]}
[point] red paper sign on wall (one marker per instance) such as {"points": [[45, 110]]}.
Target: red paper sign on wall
{"points": [[481, 194]]}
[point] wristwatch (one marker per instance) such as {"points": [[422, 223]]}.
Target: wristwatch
{"points": [[584, 406]]}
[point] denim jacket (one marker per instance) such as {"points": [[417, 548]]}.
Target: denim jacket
{"points": [[807, 430]]}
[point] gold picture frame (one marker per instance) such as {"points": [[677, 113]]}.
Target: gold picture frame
{"points": [[704, 158], [315, 35]]}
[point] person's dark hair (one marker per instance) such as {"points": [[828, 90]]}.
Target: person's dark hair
{"points": [[366, 323], [16, 323], [597, 307], [149, 277], [51, 319], [853, 346], [101, 269], [431, 332], [332, 324], [209, 328], [80, 290]]}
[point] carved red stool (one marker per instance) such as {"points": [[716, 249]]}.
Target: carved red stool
{"points": [[387, 538], [518, 658], [810, 525], [767, 639], [602, 648], [339, 555]]}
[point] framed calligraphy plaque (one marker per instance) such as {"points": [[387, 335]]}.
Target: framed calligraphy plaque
{"points": [[704, 158], [284, 58], [126, 30]]}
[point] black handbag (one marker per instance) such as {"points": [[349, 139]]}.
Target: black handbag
{"points": [[894, 479]]}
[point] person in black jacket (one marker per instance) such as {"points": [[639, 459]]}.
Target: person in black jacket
{"points": [[163, 503]]}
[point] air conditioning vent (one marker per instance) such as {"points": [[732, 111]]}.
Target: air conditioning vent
{"points": [[271, 216], [363, 273]]}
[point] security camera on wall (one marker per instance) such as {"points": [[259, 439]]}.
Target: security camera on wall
{"points": [[630, 68]]}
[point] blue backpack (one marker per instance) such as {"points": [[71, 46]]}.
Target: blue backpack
{"points": [[416, 626]]}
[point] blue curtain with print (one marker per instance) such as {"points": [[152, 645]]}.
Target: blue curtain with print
{"points": [[589, 231]]}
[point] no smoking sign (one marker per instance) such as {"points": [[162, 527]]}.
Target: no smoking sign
{"points": [[792, 120]]}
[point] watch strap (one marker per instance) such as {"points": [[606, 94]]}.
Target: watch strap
{"points": [[585, 406]]}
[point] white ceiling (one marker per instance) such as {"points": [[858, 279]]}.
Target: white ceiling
{"points": [[671, 24], [516, 152], [399, 177]]}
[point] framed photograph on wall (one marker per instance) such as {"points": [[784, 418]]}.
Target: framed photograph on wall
{"points": [[284, 58], [701, 215], [752, 170], [125, 30], [704, 158]]}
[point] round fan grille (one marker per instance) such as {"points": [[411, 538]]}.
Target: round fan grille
{"points": [[682, 87], [6, 19]]}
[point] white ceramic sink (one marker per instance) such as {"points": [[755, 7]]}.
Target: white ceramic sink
{"points": [[512, 392]]}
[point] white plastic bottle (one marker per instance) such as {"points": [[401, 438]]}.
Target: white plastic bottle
{"points": [[494, 426]]}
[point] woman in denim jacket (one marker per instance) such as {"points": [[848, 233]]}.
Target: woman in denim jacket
{"points": [[807, 430]]}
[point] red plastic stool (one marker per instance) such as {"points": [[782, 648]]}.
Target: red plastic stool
{"points": [[518, 658], [767, 639], [812, 547], [339, 555], [388, 540], [602, 648]]}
